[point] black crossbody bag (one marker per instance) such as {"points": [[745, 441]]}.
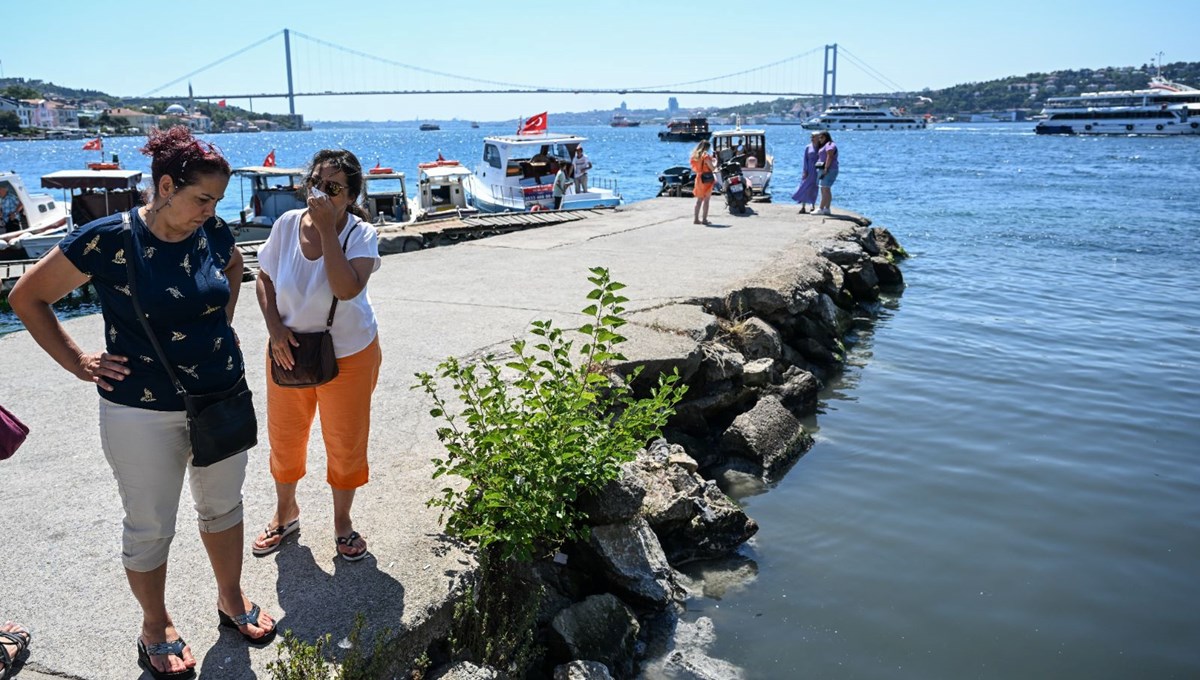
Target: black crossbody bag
{"points": [[313, 360], [220, 424]]}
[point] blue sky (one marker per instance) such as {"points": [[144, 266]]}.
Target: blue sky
{"points": [[134, 49]]}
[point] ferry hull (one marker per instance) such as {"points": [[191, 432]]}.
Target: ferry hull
{"points": [[1119, 128]]}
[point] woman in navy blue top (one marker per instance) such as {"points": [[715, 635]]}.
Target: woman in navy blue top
{"points": [[188, 273]]}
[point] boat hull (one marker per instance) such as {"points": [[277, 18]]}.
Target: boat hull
{"points": [[819, 124], [1118, 127]]}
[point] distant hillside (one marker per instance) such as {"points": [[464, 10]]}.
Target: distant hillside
{"points": [[1014, 92]]}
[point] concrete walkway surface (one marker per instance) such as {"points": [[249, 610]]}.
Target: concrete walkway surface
{"points": [[60, 569]]}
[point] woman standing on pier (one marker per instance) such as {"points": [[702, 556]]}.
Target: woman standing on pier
{"points": [[186, 258], [806, 193], [316, 256], [703, 166], [827, 171]]}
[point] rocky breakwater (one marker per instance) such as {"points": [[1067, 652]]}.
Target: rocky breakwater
{"points": [[754, 361]]}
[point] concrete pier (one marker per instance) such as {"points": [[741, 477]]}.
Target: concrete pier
{"points": [[60, 570]]}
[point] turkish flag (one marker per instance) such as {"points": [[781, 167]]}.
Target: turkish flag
{"points": [[534, 126], [96, 144], [269, 161], [221, 103]]}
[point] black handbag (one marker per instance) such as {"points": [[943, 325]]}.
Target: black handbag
{"points": [[313, 361], [707, 177], [219, 424]]}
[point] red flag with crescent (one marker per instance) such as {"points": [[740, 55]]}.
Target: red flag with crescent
{"points": [[534, 126], [269, 161], [96, 144]]}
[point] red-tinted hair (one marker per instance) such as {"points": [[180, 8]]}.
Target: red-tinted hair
{"points": [[176, 153]]}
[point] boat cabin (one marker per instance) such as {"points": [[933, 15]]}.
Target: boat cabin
{"points": [[273, 191], [96, 193], [385, 197], [40, 216], [441, 191], [520, 169]]}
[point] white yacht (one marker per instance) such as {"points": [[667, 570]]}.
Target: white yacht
{"points": [[517, 175], [854, 116], [1164, 108]]}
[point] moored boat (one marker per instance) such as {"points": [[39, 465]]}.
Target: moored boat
{"points": [[747, 147], [441, 191], [273, 191], [517, 173], [43, 222], [685, 130], [854, 116]]}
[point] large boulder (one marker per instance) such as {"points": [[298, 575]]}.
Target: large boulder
{"points": [[716, 529], [464, 670], [756, 339], [582, 670], [768, 435], [601, 628], [619, 500], [687, 655], [633, 562]]}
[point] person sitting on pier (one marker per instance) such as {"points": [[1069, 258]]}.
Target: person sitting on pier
{"points": [[10, 209], [188, 259]]}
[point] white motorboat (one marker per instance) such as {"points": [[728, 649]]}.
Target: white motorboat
{"points": [[517, 175], [749, 148], [385, 198], [273, 191], [1164, 108], [441, 191], [854, 116], [44, 222]]}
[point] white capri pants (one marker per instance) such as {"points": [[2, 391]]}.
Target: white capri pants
{"points": [[149, 452]]}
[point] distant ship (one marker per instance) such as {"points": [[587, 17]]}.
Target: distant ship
{"points": [[474, 125], [619, 120], [426, 127]]}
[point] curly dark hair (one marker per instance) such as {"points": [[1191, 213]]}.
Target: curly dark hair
{"points": [[348, 163], [176, 153]]}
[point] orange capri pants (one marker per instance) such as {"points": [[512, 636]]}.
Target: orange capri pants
{"points": [[345, 407]]}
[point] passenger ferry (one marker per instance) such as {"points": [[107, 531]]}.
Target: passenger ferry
{"points": [[853, 116], [517, 175], [1164, 108]]}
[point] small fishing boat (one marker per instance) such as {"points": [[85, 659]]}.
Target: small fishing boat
{"points": [[749, 149], [441, 190], [273, 191], [43, 222]]}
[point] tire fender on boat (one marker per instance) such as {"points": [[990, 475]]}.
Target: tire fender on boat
{"points": [[537, 207]]}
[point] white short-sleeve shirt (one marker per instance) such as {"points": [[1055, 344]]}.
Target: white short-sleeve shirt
{"points": [[302, 292]]}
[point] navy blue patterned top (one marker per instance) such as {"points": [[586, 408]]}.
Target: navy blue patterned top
{"points": [[183, 290]]}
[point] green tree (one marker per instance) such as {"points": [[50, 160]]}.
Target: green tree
{"points": [[9, 122], [21, 92]]}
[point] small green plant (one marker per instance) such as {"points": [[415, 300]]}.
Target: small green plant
{"points": [[300, 660], [563, 427]]}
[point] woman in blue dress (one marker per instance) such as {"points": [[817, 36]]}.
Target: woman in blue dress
{"points": [[807, 191]]}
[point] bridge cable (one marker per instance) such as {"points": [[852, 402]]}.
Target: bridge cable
{"points": [[728, 75], [866, 68], [222, 59]]}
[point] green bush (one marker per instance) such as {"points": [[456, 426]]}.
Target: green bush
{"points": [[565, 425]]}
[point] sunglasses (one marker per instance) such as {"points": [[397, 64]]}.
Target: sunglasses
{"points": [[329, 187]]}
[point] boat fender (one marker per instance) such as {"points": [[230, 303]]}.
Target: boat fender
{"points": [[537, 207]]}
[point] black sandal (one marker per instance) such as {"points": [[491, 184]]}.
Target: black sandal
{"points": [[21, 638], [174, 647], [348, 541], [250, 618]]}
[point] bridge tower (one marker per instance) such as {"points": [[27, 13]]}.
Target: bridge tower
{"points": [[287, 51], [829, 80]]}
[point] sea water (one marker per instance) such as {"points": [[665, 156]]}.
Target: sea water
{"points": [[1006, 478]]}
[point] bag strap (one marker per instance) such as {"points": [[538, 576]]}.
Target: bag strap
{"points": [[127, 232], [333, 307]]}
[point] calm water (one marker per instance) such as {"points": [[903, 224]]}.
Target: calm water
{"points": [[1006, 481]]}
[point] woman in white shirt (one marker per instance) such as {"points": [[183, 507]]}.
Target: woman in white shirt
{"points": [[313, 255]]}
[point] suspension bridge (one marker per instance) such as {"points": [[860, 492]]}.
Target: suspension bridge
{"points": [[313, 67]]}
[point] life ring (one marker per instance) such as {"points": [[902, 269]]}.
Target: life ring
{"points": [[537, 207], [103, 166], [379, 171], [437, 164]]}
